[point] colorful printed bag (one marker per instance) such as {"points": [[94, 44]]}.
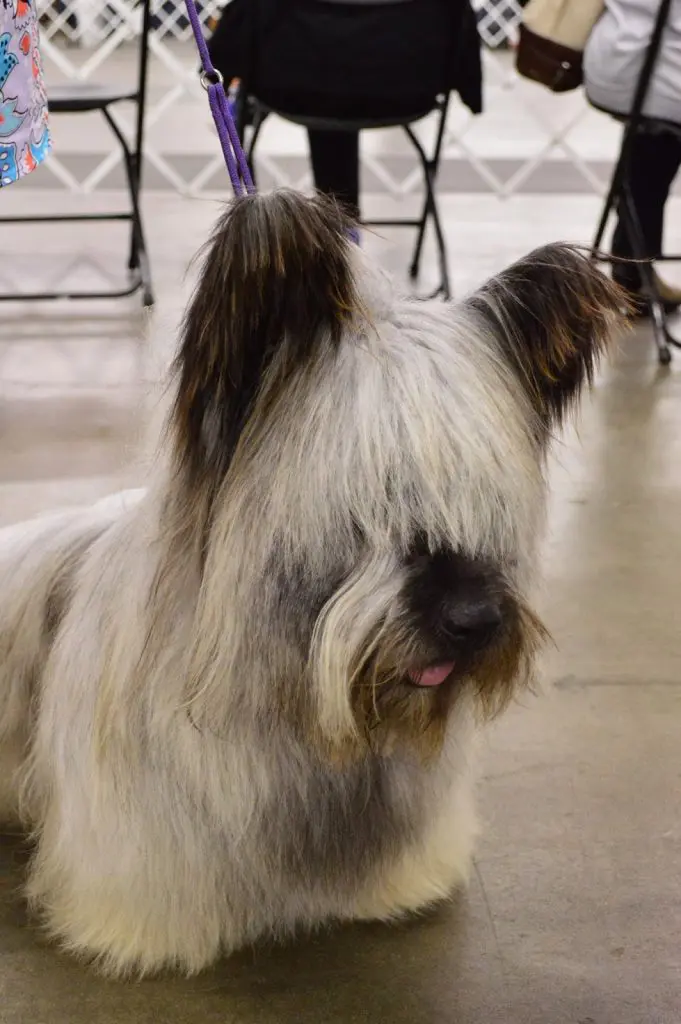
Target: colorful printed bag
{"points": [[24, 133]]}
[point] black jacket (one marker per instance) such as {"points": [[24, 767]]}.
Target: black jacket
{"points": [[345, 54]]}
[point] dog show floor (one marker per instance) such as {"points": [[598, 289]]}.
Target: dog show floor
{"points": [[573, 915]]}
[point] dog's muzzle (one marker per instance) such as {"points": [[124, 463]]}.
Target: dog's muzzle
{"points": [[471, 629], [457, 611]]}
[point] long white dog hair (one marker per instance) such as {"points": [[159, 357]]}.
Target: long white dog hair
{"points": [[243, 701]]}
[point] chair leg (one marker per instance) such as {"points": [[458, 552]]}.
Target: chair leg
{"points": [[430, 211], [608, 207], [133, 179], [433, 164], [615, 188], [662, 335], [445, 288], [139, 260]]}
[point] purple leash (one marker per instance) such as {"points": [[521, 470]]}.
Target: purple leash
{"points": [[214, 84]]}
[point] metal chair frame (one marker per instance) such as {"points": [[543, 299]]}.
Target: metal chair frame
{"points": [[85, 98], [619, 195], [258, 112]]}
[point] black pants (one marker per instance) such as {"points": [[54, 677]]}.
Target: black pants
{"points": [[335, 166], [654, 161], [335, 155]]}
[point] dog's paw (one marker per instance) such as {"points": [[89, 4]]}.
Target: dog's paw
{"points": [[123, 937], [425, 874]]}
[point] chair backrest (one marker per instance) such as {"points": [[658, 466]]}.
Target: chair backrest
{"points": [[305, 44]]}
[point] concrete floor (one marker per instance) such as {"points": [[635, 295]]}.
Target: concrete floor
{"points": [[574, 912]]}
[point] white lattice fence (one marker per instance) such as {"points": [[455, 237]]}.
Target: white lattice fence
{"points": [[86, 23], [89, 22], [526, 140]]}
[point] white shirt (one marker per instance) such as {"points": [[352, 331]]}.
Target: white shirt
{"points": [[615, 53]]}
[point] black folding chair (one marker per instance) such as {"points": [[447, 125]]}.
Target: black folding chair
{"points": [[85, 97], [258, 113], [619, 195]]}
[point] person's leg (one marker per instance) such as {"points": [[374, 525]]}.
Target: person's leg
{"points": [[654, 162], [335, 165]]}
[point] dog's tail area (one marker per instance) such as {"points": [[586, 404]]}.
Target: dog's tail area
{"points": [[275, 292], [552, 313]]}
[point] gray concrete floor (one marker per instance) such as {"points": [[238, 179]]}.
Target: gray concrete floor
{"points": [[574, 911]]}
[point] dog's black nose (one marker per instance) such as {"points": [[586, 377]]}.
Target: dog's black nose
{"points": [[474, 621]]}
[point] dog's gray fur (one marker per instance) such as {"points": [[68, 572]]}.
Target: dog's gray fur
{"points": [[206, 714]]}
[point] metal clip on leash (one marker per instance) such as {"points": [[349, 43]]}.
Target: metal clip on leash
{"points": [[214, 84]]}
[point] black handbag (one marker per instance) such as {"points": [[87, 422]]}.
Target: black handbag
{"points": [[542, 60], [553, 35]]}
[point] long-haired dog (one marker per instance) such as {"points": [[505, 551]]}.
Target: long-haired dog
{"points": [[244, 701]]}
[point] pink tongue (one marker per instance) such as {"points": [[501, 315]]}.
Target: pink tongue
{"points": [[433, 676]]}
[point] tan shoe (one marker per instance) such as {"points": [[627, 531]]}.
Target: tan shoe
{"points": [[670, 297], [668, 293]]}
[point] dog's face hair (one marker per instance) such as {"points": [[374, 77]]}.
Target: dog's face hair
{"points": [[371, 473]]}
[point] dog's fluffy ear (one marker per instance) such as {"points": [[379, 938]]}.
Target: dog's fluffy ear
{"points": [[275, 292], [552, 314]]}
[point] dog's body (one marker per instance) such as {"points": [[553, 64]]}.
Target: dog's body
{"points": [[245, 701]]}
